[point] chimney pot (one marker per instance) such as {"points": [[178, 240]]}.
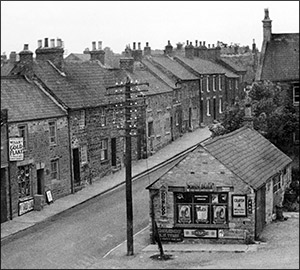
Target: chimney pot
{"points": [[58, 42], [40, 43], [209, 46], [99, 45], [267, 14], [213, 45], [94, 46], [204, 43], [52, 42], [196, 43], [26, 47], [133, 46], [46, 42], [187, 42], [200, 43], [147, 44], [139, 45], [169, 43]]}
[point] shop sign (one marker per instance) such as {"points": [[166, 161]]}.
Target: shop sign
{"points": [[200, 233], [16, 149], [207, 186], [169, 234], [26, 206], [163, 200], [239, 205]]}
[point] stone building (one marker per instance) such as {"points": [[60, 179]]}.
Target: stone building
{"points": [[279, 63], [39, 146], [223, 191]]}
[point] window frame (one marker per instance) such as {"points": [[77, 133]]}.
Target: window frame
{"points": [[220, 82], [207, 84], [214, 80], [56, 171], [27, 182], [276, 180], [296, 95], [23, 130], [103, 149], [208, 112], [220, 104], [82, 119], [52, 128]]}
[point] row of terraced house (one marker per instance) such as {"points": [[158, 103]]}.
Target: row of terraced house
{"points": [[58, 108]]}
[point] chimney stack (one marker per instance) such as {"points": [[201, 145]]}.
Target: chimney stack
{"points": [[97, 54], [133, 46], [53, 54], [168, 49], [147, 49], [267, 26], [40, 43], [26, 62], [13, 57], [189, 50]]}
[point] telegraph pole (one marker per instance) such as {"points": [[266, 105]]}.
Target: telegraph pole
{"points": [[129, 105]]}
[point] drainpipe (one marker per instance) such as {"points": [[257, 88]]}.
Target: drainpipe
{"points": [[70, 152]]}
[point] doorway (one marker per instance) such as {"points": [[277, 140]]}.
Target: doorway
{"points": [[3, 196], [40, 181], [113, 151], [190, 118], [214, 108], [76, 167]]}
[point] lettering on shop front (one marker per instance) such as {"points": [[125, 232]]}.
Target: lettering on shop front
{"points": [[169, 234], [192, 186], [16, 149]]}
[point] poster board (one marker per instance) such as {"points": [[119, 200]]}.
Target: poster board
{"points": [[49, 197], [239, 205], [16, 149]]}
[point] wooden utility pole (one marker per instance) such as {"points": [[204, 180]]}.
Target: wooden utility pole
{"points": [[130, 104]]}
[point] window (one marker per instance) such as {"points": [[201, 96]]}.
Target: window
{"points": [[82, 119], [207, 83], [220, 104], [236, 84], [230, 84], [276, 183], [23, 133], [54, 169], [52, 132], [220, 82], [214, 83], [201, 84], [103, 149], [83, 154], [24, 181], [208, 107], [103, 118], [177, 118], [296, 94], [201, 208], [150, 129]]}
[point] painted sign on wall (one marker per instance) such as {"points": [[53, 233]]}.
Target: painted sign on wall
{"points": [[16, 149], [26, 206]]}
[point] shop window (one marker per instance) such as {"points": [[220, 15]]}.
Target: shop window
{"points": [[24, 182], [201, 208], [104, 149], [54, 169], [276, 183], [23, 133], [52, 132], [82, 119]]}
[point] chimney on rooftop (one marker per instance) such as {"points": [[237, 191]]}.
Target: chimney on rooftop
{"points": [[26, 61], [189, 50], [53, 54], [168, 49], [267, 26], [97, 54], [147, 49], [13, 57], [137, 54]]}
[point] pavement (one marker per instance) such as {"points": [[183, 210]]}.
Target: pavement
{"points": [[108, 183]]}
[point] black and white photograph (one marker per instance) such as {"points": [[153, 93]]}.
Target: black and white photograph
{"points": [[150, 135]]}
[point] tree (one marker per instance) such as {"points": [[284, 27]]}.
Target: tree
{"points": [[272, 112]]}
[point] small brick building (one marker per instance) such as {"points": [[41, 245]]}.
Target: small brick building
{"points": [[224, 191]]}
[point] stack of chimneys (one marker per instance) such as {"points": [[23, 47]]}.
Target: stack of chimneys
{"points": [[168, 49], [53, 53], [200, 50], [147, 49], [26, 61], [97, 54], [137, 53]]}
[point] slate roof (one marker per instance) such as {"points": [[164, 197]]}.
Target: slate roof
{"points": [[82, 85], [25, 101], [248, 154], [281, 59], [202, 66], [232, 64], [174, 67], [78, 57], [198, 166], [6, 68], [150, 66]]}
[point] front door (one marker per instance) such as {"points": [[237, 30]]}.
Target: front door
{"points": [[214, 109], [40, 181], [113, 151], [3, 196], [76, 167], [190, 117]]}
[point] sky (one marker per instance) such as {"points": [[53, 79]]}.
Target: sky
{"points": [[118, 23]]}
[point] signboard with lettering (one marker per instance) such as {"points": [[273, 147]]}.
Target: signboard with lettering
{"points": [[26, 206], [239, 208], [169, 234], [16, 149], [200, 233]]}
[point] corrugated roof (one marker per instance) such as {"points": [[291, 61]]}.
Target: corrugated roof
{"points": [[174, 67], [25, 101], [281, 60], [202, 66], [248, 154]]}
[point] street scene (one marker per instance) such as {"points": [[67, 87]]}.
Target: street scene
{"points": [[125, 149]]}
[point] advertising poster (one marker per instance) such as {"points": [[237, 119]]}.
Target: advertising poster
{"points": [[202, 214], [239, 206], [184, 214], [16, 149], [219, 216]]}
